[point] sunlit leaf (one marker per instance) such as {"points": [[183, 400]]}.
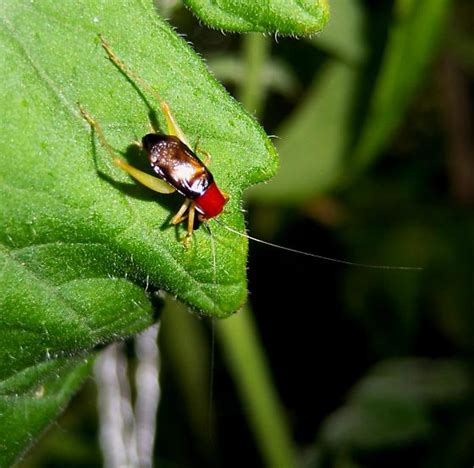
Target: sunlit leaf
{"points": [[274, 16]]}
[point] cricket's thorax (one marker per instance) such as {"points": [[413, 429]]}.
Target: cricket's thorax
{"points": [[177, 164]]}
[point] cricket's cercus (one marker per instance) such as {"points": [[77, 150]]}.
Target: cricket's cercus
{"points": [[176, 165]]}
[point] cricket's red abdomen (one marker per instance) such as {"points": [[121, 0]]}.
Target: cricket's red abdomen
{"points": [[211, 202]]}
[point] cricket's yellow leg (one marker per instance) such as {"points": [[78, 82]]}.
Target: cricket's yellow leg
{"points": [[171, 124], [187, 210], [191, 216], [207, 155], [181, 214], [145, 179], [98, 129]]}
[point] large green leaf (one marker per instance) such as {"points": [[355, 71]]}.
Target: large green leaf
{"points": [[295, 17], [80, 242], [52, 189]]}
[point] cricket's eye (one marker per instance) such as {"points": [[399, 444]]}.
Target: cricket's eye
{"points": [[148, 141]]}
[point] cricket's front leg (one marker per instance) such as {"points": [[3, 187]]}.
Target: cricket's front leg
{"points": [[187, 210]]}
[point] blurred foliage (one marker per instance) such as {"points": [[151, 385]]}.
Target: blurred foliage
{"points": [[374, 120], [325, 141], [391, 404]]}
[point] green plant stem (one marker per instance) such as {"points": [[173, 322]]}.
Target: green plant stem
{"points": [[247, 363], [412, 40], [252, 92]]}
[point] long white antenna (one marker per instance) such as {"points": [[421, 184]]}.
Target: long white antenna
{"points": [[313, 255]]}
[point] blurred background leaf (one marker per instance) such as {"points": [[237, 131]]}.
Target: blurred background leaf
{"points": [[393, 403], [325, 141], [412, 38]]}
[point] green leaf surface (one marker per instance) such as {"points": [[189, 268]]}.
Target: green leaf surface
{"points": [[32, 398], [288, 17], [80, 242], [60, 187]]}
